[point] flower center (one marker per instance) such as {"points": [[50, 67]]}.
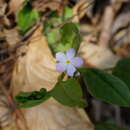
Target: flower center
{"points": [[68, 61]]}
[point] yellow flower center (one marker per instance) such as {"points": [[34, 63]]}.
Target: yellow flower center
{"points": [[68, 62]]}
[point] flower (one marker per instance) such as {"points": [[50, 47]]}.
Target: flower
{"points": [[68, 62]]}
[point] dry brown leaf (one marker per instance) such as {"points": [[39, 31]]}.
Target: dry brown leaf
{"points": [[36, 70], [42, 5], [3, 6], [123, 51], [12, 36], [5, 114], [79, 10], [97, 56], [15, 5]]}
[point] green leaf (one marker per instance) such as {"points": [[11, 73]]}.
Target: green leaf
{"points": [[68, 12], [106, 126], [30, 99], [106, 86], [70, 37], [122, 70], [26, 17], [53, 37], [69, 93], [60, 39], [53, 34]]}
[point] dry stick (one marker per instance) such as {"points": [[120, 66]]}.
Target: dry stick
{"points": [[107, 22], [97, 109], [22, 41], [8, 59], [106, 28], [6, 93], [118, 115], [13, 106]]}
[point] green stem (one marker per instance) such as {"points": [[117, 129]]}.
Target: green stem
{"points": [[60, 78], [109, 69]]}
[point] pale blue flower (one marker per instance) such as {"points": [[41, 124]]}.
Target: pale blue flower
{"points": [[67, 62]]}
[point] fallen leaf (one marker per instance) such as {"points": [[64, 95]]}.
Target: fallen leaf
{"points": [[12, 36], [5, 115], [97, 56], [15, 5], [3, 6], [42, 5]]}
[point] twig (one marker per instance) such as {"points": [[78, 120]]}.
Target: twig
{"points": [[107, 21], [8, 59], [118, 115], [108, 18], [22, 41]]}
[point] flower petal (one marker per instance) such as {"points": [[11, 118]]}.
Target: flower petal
{"points": [[70, 70], [60, 56], [60, 67], [77, 61], [70, 53]]}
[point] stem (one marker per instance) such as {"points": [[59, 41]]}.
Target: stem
{"points": [[109, 69], [60, 78]]}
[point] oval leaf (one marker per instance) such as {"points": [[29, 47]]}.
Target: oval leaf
{"points": [[69, 93], [30, 99], [26, 17], [106, 87], [122, 70], [70, 37]]}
